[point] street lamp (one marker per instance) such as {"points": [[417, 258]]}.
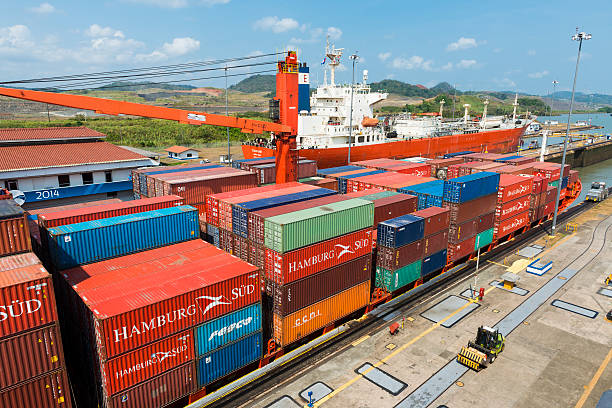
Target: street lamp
{"points": [[579, 36], [354, 58], [227, 114]]}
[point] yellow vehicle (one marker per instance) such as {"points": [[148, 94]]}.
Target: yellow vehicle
{"points": [[484, 350]]}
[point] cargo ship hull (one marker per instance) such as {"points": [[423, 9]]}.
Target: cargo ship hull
{"points": [[492, 141]]}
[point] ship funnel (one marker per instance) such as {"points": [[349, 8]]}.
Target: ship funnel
{"points": [[304, 88], [365, 76]]}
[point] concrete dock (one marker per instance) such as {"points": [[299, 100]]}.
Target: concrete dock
{"points": [[556, 355]]}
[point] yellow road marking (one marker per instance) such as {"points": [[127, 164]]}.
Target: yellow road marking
{"points": [[360, 340], [594, 380], [497, 263]]}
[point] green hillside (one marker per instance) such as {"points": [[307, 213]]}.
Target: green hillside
{"points": [[256, 83]]}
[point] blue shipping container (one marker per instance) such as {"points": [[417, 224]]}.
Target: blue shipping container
{"points": [[227, 329], [433, 263], [212, 234], [92, 241], [230, 358], [427, 193], [400, 231], [240, 212], [505, 159], [564, 182], [342, 181], [450, 155], [142, 178], [340, 169], [470, 187]]}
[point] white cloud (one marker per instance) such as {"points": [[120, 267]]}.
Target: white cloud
{"points": [[44, 8], [462, 43], [538, 75], [97, 31], [15, 37], [341, 67], [162, 3], [389, 76], [447, 67], [275, 24], [214, 2], [334, 33], [181, 46], [505, 83], [383, 56], [466, 63], [531, 52], [414, 62]]}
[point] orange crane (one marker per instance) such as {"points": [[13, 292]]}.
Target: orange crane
{"points": [[284, 111]]}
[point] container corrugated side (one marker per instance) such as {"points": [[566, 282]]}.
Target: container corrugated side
{"points": [[293, 265], [91, 241], [18, 261], [49, 391], [400, 231], [158, 391], [512, 187], [511, 224], [230, 358], [195, 190], [298, 229], [289, 329], [386, 208], [27, 299], [146, 362], [393, 280], [461, 250], [435, 243], [514, 207], [462, 212], [14, 236], [470, 187], [228, 328], [155, 184], [301, 293], [395, 258], [435, 219], [433, 263], [30, 354], [333, 170]]}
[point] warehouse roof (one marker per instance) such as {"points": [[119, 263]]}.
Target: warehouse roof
{"points": [[48, 134], [180, 149], [61, 155]]}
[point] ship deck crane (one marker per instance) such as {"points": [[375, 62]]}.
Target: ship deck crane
{"points": [[284, 112]]}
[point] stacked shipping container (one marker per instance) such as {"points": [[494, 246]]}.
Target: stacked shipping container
{"points": [[512, 210]]}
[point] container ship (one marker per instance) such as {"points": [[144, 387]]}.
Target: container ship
{"points": [[325, 119]]}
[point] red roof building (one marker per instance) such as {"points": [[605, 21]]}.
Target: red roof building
{"points": [[54, 134]]}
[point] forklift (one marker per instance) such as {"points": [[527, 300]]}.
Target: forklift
{"points": [[484, 350]]}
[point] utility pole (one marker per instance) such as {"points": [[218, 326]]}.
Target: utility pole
{"points": [[454, 100], [354, 58], [227, 114], [579, 36]]}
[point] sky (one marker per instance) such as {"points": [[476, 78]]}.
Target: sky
{"points": [[518, 46]]}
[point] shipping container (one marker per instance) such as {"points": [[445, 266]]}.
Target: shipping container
{"points": [[486, 221], [156, 183], [573, 177], [257, 255], [30, 354], [435, 219], [230, 358], [507, 210], [240, 211], [212, 233], [461, 250], [517, 161], [547, 209], [551, 194], [400, 231], [33, 214], [293, 265], [435, 243], [247, 164], [466, 188], [484, 157], [139, 176], [18, 261], [228, 328], [238, 162], [439, 167], [486, 166], [27, 299], [304, 292], [14, 231], [386, 208], [397, 279], [300, 324], [462, 212], [333, 170], [298, 229], [226, 240], [433, 263], [266, 173], [511, 224], [460, 232], [512, 187], [395, 258], [343, 180], [146, 362], [55, 219], [483, 239], [158, 391], [48, 391], [91, 241], [322, 182]]}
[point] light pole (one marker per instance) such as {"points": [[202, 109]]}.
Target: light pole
{"points": [[227, 114], [454, 99], [354, 58], [579, 36]]}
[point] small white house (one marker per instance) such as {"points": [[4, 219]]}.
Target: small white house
{"points": [[182, 153]]}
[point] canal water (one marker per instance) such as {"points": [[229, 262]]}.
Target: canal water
{"points": [[598, 172]]}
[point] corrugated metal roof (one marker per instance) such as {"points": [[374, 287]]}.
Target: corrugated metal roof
{"points": [[179, 149], [60, 155], [52, 133]]}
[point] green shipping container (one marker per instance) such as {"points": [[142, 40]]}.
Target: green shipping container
{"points": [[393, 280], [554, 183], [378, 196], [483, 239], [290, 231]]}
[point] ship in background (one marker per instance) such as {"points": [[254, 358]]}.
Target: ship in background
{"points": [[325, 119]]}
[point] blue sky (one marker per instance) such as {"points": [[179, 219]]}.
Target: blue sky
{"points": [[522, 45]]}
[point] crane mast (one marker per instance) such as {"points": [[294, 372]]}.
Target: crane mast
{"points": [[285, 115]]}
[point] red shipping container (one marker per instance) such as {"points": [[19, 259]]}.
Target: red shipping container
{"points": [[301, 293], [439, 167], [483, 157], [155, 183], [460, 232], [512, 187], [29, 355], [521, 160], [14, 234], [39, 211], [485, 222], [508, 169], [322, 182], [416, 169], [257, 255], [547, 209], [461, 212], [511, 225], [395, 258], [374, 163], [168, 300], [226, 240], [55, 219], [435, 219], [367, 182], [406, 183], [573, 177], [266, 173], [461, 250], [486, 166], [525, 168], [195, 189], [248, 165], [18, 261], [147, 362], [435, 243], [158, 391], [535, 200], [539, 183], [512, 208], [551, 194], [256, 219], [394, 206], [241, 247], [293, 265], [555, 166], [49, 391], [362, 193], [27, 299]]}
